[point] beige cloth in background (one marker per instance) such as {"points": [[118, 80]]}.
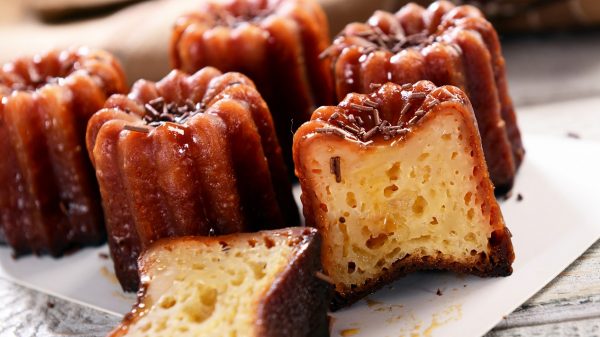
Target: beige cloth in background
{"points": [[137, 34]]}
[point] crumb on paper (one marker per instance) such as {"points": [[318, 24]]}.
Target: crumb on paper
{"points": [[349, 332], [438, 292], [519, 197], [371, 303], [50, 304], [110, 276], [573, 135], [103, 255]]}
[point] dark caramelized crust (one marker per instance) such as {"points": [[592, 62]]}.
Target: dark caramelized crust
{"points": [[447, 45], [293, 303], [188, 155], [275, 43], [360, 126], [49, 198]]}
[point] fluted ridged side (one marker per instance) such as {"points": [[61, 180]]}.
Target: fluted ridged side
{"points": [[49, 201], [453, 45], [275, 43], [220, 171]]}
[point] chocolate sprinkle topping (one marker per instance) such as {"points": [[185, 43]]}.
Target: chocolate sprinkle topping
{"points": [[324, 277], [136, 128], [158, 111], [334, 168]]}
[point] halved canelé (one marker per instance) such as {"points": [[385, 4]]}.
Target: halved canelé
{"points": [[188, 155], [445, 44], [49, 200], [275, 43], [251, 284], [396, 182]]}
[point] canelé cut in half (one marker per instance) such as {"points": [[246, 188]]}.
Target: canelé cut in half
{"points": [[396, 182], [253, 285], [445, 44], [188, 155], [49, 200], [275, 43]]}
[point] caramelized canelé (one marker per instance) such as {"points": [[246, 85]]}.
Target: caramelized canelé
{"points": [[256, 285], [275, 43], [448, 45], [49, 200], [188, 155], [396, 182]]}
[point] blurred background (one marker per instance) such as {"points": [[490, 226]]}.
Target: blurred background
{"points": [[552, 45]]}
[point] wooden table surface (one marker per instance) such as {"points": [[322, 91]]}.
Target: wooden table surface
{"points": [[555, 83]]}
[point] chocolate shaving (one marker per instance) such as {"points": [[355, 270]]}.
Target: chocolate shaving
{"points": [[324, 278], [407, 86], [334, 168], [376, 39], [376, 117], [370, 103], [360, 107], [134, 128], [375, 85], [417, 95]]}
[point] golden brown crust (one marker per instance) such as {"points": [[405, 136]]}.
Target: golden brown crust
{"points": [[275, 43], [296, 303], [197, 154], [411, 106], [49, 201], [448, 45]]}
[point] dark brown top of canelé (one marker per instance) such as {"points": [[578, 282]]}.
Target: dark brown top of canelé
{"points": [[54, 68], [411, 27], [389, 112]]}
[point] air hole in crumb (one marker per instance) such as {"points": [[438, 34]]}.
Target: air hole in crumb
{"points": [[434, 221], [376, 242], [446, 136], [394, 171], [252, 243], [351, 267], [323, 207], [473, 252], [389, 190], [269, 242], [454, 155], [342, 219], [468, 196], [470, 237], [351, 199], [419, 205], [167, 302], [470, 214], [423, 156], [475, 170]]}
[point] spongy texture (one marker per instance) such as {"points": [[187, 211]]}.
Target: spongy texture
{"points": [[222, 286], [395, 203], [49, 200], [448, 45]]}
